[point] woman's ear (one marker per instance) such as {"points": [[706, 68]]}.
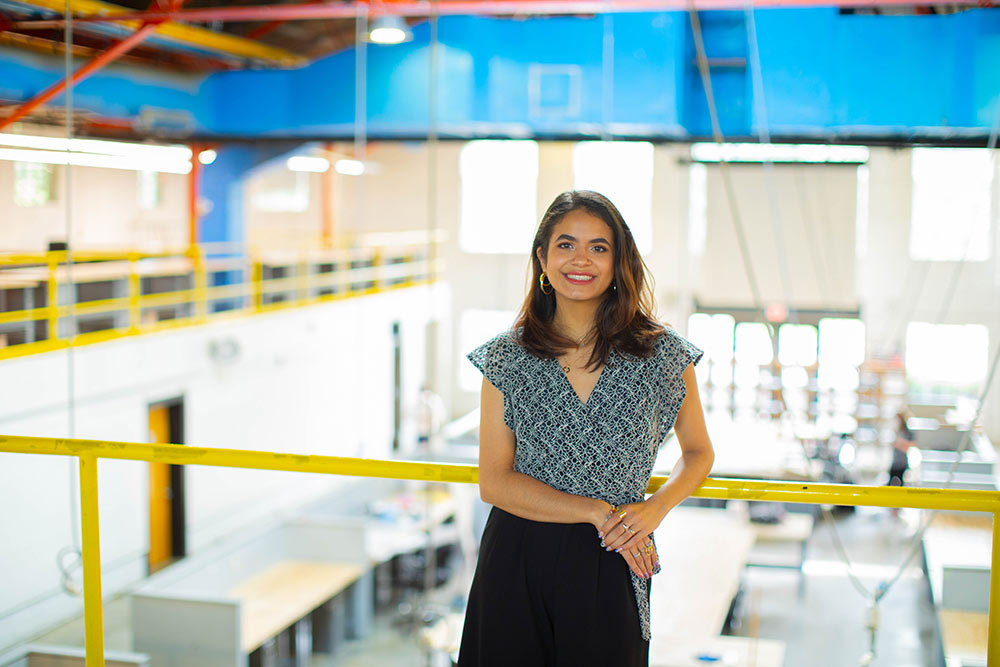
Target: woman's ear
{"points": [[541, 257]]}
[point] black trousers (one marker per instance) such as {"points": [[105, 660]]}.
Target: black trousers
{"points": [[548, 595]]}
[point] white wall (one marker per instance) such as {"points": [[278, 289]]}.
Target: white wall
{"points": [[106, 212], [315, 380]]}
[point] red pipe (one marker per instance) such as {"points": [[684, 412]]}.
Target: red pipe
{"points": [[79, 75], [456, 7]]}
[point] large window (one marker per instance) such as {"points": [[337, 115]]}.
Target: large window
{"points": [[622, 171], [34, 184], [946, 359], [499, 192], [950, 212]]}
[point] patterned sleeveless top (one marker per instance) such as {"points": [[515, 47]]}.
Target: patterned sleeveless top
{"points": [[604, 448]]}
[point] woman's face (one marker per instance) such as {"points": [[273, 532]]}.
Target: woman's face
{"points": [[580, 262]]}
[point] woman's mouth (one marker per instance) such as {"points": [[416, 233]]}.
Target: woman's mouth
{"points": [[578, 278]]}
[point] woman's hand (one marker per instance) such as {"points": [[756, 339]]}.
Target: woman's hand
{"points": [[627, 530], [645, 563]]}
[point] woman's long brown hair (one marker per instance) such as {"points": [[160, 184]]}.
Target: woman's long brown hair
{"points": [[624, 319]]}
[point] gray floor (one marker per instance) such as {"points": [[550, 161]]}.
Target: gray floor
{"points": [[823, 626], [826, 624]]}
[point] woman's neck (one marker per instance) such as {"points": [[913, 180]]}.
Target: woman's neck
{"points": [[575, 320]]}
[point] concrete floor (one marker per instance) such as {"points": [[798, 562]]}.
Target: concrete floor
{"points": [[824, 626]]}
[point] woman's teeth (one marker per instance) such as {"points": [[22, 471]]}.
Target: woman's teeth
{"points": [[579, 277]]}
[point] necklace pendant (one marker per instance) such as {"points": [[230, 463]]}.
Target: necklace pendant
{"points": [[566, 370]]}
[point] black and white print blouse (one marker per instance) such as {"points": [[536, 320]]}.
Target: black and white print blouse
{"points": [[604, 448]]}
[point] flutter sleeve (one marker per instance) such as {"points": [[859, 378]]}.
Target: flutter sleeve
{"points": [[494, 359], [675, 353]]}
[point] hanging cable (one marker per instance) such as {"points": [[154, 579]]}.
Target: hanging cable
{"points": [[70, 558], [874, 597], [706, 82], [769, 174]]}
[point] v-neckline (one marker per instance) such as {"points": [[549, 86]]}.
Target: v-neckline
{"points": [[583, 403]]}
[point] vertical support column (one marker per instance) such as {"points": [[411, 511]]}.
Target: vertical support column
{"points": [[134, 293], [53, 296], [200, 297], [194, 192], [92, 599], [993, 647]]}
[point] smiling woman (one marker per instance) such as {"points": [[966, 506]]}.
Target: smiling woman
{"points": [[575, 401]]}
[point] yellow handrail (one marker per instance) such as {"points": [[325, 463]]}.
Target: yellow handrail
{"points": [[251, 294], [732, 489]]}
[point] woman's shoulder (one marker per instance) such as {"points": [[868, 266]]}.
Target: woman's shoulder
{"points": [[505, 342]]}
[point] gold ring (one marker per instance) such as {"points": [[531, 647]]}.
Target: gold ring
{"points": [[636, 554], [621, 515], [648, 549], [625, 526]]}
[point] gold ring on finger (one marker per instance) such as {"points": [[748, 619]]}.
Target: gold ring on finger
{"points": [[621, 514], [636, 554], [625, 526]]}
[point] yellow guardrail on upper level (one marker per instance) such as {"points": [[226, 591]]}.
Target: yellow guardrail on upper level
{"points": [[88, 451], [136, 292]]}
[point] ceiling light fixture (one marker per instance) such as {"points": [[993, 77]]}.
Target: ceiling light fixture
{"points": [[315, 165], [751, 152], [389, 29]]}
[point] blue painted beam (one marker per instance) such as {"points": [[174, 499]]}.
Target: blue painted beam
{"points": [[825, 75]]}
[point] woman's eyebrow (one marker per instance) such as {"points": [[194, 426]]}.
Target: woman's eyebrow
{"points": [[599, 239]]}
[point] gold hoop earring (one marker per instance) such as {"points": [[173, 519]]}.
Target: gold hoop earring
{"points": [[542, 284]]}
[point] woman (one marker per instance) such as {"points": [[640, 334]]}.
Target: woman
{"points": [[575, 402]]}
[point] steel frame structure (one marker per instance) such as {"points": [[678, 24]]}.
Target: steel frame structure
{"points": [[311, 10]]}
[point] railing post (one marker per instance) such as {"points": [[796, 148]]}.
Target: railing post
{"points": [[53, 295], [92, 599], [257, 282], [134, 293], [993, 643], [200, 297]]}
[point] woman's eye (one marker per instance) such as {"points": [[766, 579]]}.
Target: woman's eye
{"points": [[565, 244], [600, 248]]}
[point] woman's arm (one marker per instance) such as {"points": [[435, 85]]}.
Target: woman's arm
{"points": [[689, 472], [515, 492]]}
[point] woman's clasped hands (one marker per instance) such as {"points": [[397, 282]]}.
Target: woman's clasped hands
{"points": [[628, 530]]}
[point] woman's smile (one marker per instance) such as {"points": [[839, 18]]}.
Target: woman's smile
{"points": [[580, 257]]}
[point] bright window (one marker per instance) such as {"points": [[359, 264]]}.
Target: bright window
{"points": [[281, 191], [949, 218], [713, 334], [475, 328], [499, 196], [34, 184], [622, 171], [149, 190], [753, 345], [797, 345], [946, 355], [841, 342]]}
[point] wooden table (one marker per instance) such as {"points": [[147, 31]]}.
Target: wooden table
{"points": [[277, 597], [964, 635]]}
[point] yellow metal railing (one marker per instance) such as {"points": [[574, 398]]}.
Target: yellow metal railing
{"points": [[88, 451], [253, 283]]}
